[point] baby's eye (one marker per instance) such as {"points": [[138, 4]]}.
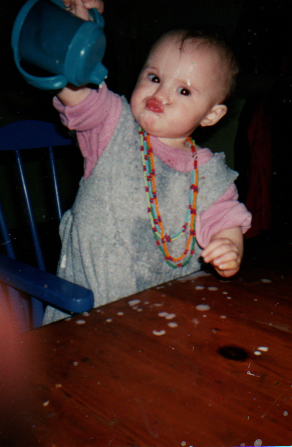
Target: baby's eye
{"points": [[153, 78], [184, 91]]}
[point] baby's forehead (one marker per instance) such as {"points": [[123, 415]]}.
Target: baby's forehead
{"points": [[193, 46]]}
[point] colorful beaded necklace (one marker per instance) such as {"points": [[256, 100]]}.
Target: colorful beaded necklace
{"points": [[160, 236]]}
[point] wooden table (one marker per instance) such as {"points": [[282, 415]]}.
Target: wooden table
{"points": [[198, 362]]}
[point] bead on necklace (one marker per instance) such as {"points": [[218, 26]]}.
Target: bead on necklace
{"points": [[161, 238]]}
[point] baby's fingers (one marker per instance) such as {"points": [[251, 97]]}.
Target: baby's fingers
{"points": [[227, 265], [67, 4], [229, 261], [228, 272], [217, 248], [97, 4]]}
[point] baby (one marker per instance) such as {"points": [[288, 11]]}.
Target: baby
{"points": [[151, 203]]}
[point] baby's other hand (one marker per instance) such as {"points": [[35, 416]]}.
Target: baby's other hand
{"points": [[80, 7], [225, 251]]}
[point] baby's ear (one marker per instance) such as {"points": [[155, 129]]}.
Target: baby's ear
{"points": [[214, 115]]}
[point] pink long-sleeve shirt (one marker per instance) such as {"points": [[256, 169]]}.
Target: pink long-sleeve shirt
{"points": [[95, 120]]}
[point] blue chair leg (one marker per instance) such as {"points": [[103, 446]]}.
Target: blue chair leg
{"points": [[36, 242], [37, 312]]}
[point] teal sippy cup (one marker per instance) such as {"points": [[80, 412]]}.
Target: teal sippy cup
{"points": [[47, 36]]}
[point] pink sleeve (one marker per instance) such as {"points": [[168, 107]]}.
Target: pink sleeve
{"points": [[204, 155], [94, 120], [226, 213]]}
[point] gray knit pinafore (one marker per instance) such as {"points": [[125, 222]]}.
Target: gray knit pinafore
{"points": [[107, 241]]}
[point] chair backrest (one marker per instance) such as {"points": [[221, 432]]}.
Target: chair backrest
{"points": [[16, 137]]}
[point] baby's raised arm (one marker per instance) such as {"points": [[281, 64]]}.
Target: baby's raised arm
{"points": [[70, 95]]}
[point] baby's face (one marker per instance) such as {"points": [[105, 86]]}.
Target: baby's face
{"points": [[176, 90]]}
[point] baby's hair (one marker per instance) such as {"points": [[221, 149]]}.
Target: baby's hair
{"points": [[213, 40]]}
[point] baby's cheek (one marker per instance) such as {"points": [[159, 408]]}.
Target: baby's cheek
{"points": [[135, 105]]}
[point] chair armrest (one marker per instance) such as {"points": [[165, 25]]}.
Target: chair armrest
{"points": [[43, 285]]}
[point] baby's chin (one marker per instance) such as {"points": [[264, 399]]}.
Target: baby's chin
{"points": [[149, 121]]}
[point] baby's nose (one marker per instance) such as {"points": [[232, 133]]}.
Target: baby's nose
{"points": [[162, 95]]}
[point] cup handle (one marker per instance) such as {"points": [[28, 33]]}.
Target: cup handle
{"points": [[44, 83], [97, 17]]}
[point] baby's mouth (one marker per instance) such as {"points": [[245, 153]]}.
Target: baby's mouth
{"points": [[154, 106]]}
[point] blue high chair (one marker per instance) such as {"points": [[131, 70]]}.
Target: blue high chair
{"points": [[17, 278]]}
